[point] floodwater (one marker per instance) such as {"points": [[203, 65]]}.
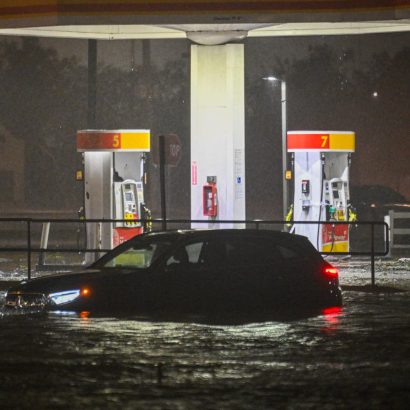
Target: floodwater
{"points": [[357, 357]]}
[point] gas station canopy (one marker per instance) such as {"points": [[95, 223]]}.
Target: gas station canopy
{"points": [[210, 22]]}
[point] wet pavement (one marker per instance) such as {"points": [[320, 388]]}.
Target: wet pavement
{"points": [[357, 357]]}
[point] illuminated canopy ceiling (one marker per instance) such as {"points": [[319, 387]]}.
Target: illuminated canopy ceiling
{"points": [[205, 22]]}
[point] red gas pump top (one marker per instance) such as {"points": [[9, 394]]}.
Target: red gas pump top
{"points": [[113, 140], [324, 141]]}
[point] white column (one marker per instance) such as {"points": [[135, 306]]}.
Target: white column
{"points": [[218, 129], [98, 199], [308, 167]]}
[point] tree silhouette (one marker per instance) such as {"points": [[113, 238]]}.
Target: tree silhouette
{"points": [[43, 100]]}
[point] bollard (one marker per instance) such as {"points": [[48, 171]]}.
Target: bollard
{"points": [[372, 256], [29, 249], [159, 373]]}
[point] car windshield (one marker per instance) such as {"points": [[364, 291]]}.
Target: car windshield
{"points": [[136, 255]]}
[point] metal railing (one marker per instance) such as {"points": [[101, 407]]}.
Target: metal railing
{"points": [[29, 248]]}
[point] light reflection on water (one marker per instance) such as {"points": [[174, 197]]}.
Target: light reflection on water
{"points": [[356, 357]]}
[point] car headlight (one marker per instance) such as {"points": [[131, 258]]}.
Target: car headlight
{"points": [[59, 298]]}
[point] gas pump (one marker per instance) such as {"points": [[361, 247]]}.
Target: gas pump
{"points": [[128, 205], [336, 199], [321, 193], [114, 189]]}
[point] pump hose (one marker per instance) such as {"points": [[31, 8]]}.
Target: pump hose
{"points": [[320, 206], [333, 237], [289, 216], [147, 219]]}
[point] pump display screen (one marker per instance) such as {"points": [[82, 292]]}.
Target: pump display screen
{"points": [[335, 190], [305, 186], [128, 196]]}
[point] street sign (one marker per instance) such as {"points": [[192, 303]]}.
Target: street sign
{"points": [[172, 148]]}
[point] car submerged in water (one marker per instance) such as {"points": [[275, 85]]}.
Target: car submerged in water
{"points": [[192, 272]]}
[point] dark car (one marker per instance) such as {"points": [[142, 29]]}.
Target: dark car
{"points": [[192, 271]]}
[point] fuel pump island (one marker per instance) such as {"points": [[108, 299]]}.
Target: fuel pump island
{"points": [[321, 161], [113, 183]]}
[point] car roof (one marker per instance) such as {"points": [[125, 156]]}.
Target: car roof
{"points": [[192, 233]]}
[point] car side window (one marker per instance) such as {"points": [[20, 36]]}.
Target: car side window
{"points": [[188, 255], [214, 253], [251, 252], [240, 252], [194, 252], [231, 252]]}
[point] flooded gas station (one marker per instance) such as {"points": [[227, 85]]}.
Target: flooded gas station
{"points": [[349, 357], [116, 118]]}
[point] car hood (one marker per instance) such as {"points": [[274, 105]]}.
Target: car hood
{"points": [[66, 281]]}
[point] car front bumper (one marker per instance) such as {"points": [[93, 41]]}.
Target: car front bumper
{"points": [[19, 300]]}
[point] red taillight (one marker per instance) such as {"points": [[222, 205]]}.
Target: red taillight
{"points": [[331, 272], [333, 310]]}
